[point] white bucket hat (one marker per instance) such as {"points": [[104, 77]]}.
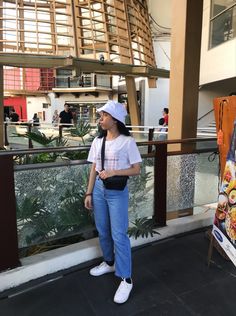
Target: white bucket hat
{"points": [[115, 109]]}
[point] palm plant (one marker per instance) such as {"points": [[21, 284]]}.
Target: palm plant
{"points": [[138, 188], [35, 222], [72, 215], [40, 138], [46, 141], [142, 227], [82, 128]]}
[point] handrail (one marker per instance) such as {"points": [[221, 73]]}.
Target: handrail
{"points": [[42, 150], [205, 115], [176, 141], [82, 148]]}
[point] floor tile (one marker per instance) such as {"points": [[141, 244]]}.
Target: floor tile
{"points": [[170, 278]]}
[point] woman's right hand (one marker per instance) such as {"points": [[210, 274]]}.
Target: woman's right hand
{"points": [[88, 202]]}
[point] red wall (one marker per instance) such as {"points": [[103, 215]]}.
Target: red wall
{"points": [[32, 79], [19, 104], [12, 79]]}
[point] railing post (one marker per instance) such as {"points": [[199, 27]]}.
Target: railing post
{"points": [[160, 183], [6, 136], [95, 80], [60, 131], [30, 143], [8, 227], [150, 138]]}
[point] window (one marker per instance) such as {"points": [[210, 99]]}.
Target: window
{"points": [[45, 105], [222, 21]]}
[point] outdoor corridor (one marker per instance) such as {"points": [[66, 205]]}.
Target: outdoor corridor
{"points": [[170, 278]]}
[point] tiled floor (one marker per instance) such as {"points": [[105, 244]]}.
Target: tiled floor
{"points": [[170, 278]]}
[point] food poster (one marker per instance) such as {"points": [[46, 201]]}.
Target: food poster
{"points": [[224, 228]]}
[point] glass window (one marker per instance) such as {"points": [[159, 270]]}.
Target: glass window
{"points": [[222, 22]]}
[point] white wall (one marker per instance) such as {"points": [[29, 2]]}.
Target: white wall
{"points": [[157, 98], [219, 62], [57, 103], [205, 105], [35, 105]]}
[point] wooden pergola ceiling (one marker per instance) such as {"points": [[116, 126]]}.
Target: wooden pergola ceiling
{"points": [[117, 29], [81, 65]]}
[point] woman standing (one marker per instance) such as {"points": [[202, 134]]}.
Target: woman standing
{"points": [[122, 158], [35, 120]]}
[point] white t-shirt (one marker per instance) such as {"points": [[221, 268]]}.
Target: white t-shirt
{"points": [[120, 153]]}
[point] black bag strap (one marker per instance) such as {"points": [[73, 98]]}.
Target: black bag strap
{"points": [[103, 151]]}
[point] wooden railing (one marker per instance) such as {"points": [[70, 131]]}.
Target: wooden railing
{"points": [[8, 228]]}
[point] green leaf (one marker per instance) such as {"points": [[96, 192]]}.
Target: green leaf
{"points": [[142, 227]]}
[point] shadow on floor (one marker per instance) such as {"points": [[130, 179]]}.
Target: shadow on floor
{"points": [[170, 277]]}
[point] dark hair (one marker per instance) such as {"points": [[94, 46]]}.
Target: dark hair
{"points": [[123, 130], [166, 110], [161, 121]]}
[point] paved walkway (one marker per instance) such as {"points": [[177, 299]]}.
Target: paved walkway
{"points": [[170, 278]]}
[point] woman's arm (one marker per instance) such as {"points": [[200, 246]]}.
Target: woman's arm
{"points": [[88, 194], [134, 170]]}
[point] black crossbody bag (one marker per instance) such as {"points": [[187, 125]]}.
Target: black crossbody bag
{"points": [[115, 182]]}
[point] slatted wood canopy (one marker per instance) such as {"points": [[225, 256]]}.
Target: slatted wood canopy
{"points": [[117, 29], [102, 36]]}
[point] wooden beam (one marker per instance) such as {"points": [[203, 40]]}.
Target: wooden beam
{"points": [[8, 227], [132, 101], [185, 64], [33, 61], [152, 82], [80, 64], [2, 142], [76, 28]]}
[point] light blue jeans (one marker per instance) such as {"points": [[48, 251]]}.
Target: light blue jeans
{"points": [[111, 219]]}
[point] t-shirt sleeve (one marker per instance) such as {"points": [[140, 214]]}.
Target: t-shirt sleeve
{"points": [[92, 152], [133, 153]]}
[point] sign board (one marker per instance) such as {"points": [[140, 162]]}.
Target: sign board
{"points": [[224, 228]]}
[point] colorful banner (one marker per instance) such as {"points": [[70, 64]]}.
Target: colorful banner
{"points": [[224, 228]]}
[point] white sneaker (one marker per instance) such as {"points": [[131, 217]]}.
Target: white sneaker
{"points": [[103, 268], [123, 292]]}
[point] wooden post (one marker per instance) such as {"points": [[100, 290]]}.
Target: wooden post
{"points": [[160, 183], [150, 138], [30, 143], [133, 101], [1, 109], [8, 228], [60, 131], [184, 71], [210, 250], [1, 85], [5, 134]]}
